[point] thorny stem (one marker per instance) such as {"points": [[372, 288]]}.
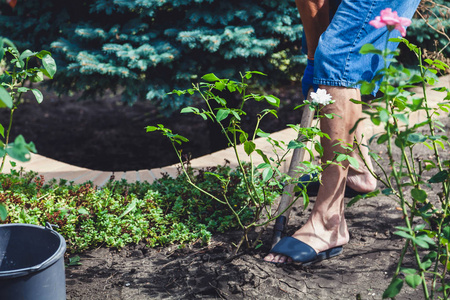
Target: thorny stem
{"points": [[249, 185], [8, 132], [431, 123], [188, 178], [7, 138], [444, 186], [402, 256], [234, 145], [397, 176]]}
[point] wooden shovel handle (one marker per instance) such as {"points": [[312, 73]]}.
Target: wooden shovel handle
{"points": [[288, 191]]}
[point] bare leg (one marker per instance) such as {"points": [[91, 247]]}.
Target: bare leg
{"points": [[361, 179], [326, 227]]}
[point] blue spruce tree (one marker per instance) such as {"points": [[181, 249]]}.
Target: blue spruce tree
{"points": [[146, 48]]}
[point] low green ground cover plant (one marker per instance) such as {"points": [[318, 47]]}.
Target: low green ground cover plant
{"points": [[167, 211]]}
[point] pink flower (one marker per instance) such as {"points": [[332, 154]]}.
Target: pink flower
{"points": [[12, 3], [391, 19]]}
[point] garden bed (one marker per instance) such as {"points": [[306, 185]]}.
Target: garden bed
{"points": [[363, 271]]}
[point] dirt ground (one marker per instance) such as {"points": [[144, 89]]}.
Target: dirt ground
{"points": [[105, 135], [363, 271]]}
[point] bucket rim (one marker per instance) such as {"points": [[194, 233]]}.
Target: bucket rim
{"points": [[43, 265]]}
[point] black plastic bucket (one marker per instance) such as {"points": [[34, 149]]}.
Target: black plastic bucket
{"points": [[31, 263]]}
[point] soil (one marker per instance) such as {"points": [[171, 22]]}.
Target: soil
{"points": [[107, 135]]}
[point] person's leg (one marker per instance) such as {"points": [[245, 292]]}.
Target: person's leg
{"points": [[361, 180], [338, 64], [326, 227]]}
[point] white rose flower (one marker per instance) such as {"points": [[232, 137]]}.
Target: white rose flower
{"points": [[321, 97]]}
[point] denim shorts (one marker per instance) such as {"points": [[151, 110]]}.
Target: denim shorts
{"points": [[337, 61]]}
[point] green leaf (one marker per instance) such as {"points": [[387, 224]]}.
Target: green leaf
{"points": [[423, 237], [3, 212], [383, 138], [189, 109], [354, 200], [272, 100], [375, 120], [222, 114], [220, 85], [439, 177], [264, 157], [384, 116], [249, 147], [23, 89], [419, 227], [25, 54], [178, 92], [425, 265], [255, 72], [37, 93], [74, 261], [42, 53], [413, 280], [83, 211], [243, 137], [402, 118], [129, 208], [415, 79], [210, 77], [236, 115], [419, 195], [420, 242], [38, 77], [231, 87], [369, 48], [446, 232], [387, 192], [5, 98], [394, 288], [356, 125], [408, 271], [20, 150], [353, 161], [404, 234], [416, 138], [367, 88], [2, 131], [403, 228], [295, 145], [50, 66], [319, 149], [341, 157], [261, 133], [267, 174], [151, 128]]}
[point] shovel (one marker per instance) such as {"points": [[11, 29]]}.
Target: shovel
{"points": [[288, 191]]}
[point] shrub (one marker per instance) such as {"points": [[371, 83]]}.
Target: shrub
{"points": [[151, 47]]}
